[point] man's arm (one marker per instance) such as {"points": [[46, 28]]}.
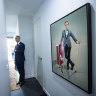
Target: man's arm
{"points": [[15, 57], [20, 51]]}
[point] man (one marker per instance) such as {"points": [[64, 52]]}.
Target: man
{"points": [[67, 43], [19, 59]]}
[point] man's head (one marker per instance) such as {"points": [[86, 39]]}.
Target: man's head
{"points": [[66, 23], [17, 39]]}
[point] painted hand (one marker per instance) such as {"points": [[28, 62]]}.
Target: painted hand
{"points": [[78, 42]]}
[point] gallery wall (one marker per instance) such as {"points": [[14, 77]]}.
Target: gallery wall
{"points": [[49, 12], [25, 31]]}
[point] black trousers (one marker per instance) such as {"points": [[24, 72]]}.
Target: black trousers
{"points": [[20, 67], [67, 55]]}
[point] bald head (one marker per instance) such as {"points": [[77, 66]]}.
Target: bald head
{"points": [[17, 39]]}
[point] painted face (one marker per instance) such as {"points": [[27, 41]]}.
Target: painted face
{"points": [[66, 25]]}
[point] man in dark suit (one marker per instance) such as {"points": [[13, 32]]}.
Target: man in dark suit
{"points": [[19, 59], [66, 34]]}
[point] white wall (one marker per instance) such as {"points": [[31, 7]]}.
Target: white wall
{"points": [[49, 12], [4, 72], [25, 31], [11, 23]]}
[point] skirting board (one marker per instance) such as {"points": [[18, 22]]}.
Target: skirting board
{"points": [[46, 91]]}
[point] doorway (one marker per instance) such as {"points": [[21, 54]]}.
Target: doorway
{"points": [[38, 51], [14, 76]]}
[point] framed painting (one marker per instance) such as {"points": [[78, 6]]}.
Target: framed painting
{"points": [[71, 47]]}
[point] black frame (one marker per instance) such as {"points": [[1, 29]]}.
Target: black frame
{"points": [[89, 41]]}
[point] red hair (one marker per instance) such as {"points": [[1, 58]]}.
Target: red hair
{"points": [[67, 22]]}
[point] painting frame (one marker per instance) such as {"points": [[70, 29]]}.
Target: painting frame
{"points": [[89, 45]]}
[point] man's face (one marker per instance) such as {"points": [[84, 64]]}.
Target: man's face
{"points": [[66, 25], [17, 39]]}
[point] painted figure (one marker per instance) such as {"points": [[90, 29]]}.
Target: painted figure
{"points": [[66, 34]]}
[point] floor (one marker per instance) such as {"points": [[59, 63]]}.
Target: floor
{"points": [[14, 76], [30, 88]]}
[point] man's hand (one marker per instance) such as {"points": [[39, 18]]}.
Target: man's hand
{"points": [[15, 62]]}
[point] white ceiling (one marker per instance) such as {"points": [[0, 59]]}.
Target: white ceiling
{"points": [[22, 7]]}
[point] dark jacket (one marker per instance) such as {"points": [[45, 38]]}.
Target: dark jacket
{"points": [[19, 53]]}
